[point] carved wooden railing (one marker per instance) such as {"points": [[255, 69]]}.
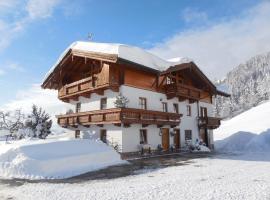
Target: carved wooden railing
{"points": [[118, 116], [85, 85], [182, 90], [209, 122]]}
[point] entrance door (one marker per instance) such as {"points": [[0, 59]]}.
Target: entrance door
{"points": [[176, 138], [165, 139], [103, 135], [204, 136]]}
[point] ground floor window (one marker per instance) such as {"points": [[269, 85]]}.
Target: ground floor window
{"points": [[188, 135], [103, 135], [77, 134], [143, 136]]}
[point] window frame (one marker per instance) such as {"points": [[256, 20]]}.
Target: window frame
{"points": [[189, 110], [164, 106], [188, 132], [102, 103], [143, 103], [78, 107], [143, 136], [176, 108]]}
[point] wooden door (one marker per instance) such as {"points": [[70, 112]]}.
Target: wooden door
{"points": [[165, 139], [177, 138]]}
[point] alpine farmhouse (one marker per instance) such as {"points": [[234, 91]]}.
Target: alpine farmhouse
{"points": [[132, 99]]}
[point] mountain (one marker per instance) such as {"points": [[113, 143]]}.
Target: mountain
{"points": [[248, 85]]}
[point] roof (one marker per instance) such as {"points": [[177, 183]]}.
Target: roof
{"points": [[122, 51], [129, 54]]}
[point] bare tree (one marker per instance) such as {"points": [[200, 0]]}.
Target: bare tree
{"points": [[11, 121]]}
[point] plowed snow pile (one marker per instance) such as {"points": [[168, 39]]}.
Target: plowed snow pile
{"points": [[247, 132], [54, 158]]}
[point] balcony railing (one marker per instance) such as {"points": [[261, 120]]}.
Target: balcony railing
{"points": [[118, 116], [209, 122], [84, 86], [182, 90]]}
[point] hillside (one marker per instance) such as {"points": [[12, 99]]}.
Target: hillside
{"points": [[248, 131], [248, 84]]}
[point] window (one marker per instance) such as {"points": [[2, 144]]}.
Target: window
{"points": [[188, 135], [142, 103], [78, 107], [77, 134], [188, 110], [103, 135], [203, 112], [103, 103], [164, 107], [175, 108], [143, 136]]}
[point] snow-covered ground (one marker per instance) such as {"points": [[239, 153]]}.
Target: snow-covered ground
{"points": [[222, 177], [55, 157], [243, 174]]}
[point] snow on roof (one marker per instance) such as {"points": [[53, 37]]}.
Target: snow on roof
{"points": [[179, 60], [126, 52]]}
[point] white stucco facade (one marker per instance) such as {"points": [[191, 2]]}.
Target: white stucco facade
{"points": [[128, 138]]}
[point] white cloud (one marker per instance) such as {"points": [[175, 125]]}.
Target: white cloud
{"points": [[16, 15], [220, 47], [14, 66], [41, 8], [2, 72], [193, 15]]}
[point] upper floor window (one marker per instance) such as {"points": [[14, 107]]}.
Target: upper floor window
{"points": [[188, 110], [176, 108], [78, 107], [103, 103], [142, 103], [164, 107], [203, 112], [143, 136]]}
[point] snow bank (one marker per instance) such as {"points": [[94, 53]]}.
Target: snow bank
{"points": [[54, 158], [245, 142], [255, 120], [247, 132], [202, 149]]}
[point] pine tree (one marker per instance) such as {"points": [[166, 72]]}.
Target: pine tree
{"points": [[121, 101], [39, 122]]}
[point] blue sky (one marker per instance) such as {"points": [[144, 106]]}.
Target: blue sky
{"points": [[35, 32]]}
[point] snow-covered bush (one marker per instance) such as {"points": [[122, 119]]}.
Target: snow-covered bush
{"points": [[37, 124]]}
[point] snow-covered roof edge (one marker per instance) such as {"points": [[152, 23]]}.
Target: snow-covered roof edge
{"points": [[126, 52]]}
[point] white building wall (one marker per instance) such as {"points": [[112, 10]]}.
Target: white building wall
{"points": [[93, 103], [129, 138]]}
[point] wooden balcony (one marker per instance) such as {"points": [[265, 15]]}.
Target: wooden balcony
{"points": [[85, 87], [182, 91], [118, 116], [209, 122]]}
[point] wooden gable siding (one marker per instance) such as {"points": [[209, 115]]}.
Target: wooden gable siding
{"points": [[139, 79]]}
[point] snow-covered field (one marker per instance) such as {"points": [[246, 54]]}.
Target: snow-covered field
{"points": [[222, 177]]}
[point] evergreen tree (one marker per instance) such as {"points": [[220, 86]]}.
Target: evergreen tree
{"points": [[39, 123]]}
